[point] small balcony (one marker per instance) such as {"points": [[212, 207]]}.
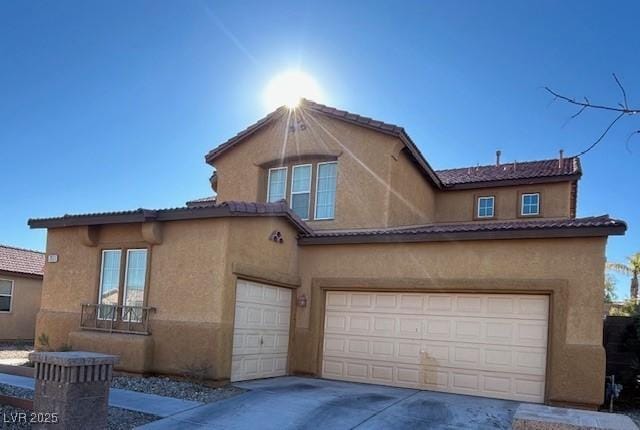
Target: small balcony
{"points": [[116, 318]]}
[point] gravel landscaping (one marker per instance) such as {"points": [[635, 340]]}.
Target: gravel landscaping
{"points": [[119, 419], [184, 390]]}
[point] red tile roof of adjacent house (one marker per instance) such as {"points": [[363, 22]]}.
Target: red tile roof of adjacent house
{"points": [[539, 228], [473, 176], [225, 209], [21, 261], [458, 178]]}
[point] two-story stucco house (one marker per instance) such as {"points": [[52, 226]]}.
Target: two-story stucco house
{"points": [[332, 248]]}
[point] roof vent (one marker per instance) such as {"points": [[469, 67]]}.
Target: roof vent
{"points": [[561, 159], [498, 153], [515, 164]]}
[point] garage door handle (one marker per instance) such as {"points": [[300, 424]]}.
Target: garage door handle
{"points": [[261, 341]]}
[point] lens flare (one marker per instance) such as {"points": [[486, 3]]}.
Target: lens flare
{"points": [[289, 87]]}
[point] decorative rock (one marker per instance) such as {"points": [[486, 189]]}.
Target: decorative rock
{"points": [[541, 417], [73, 387]]}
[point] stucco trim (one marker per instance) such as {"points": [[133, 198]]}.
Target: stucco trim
{"points": [[258, 274], [300, 159]]}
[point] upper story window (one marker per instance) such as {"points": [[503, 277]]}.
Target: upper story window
{"points": [[311, 188], [486, 207], [122, 283], [326, 190], [277, 187], [530, 204], [6, 295], [301, 190]]}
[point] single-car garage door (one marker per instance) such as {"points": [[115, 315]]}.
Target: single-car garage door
{"points": [[261, 331], [492, 345]]}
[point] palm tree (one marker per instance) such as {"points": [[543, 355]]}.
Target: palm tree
{"points": [[631, 268]]}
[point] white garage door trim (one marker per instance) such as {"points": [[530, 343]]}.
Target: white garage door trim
{"points": [[261, 331], [491, 345]]}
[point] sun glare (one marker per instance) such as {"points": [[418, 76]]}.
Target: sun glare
{"points": [[289, 87]]}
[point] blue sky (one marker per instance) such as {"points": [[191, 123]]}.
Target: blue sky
{"points": [[112, 105]]}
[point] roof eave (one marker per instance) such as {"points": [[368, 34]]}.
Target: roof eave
{"points": [[216, 152], [548, 233], [402, 135], [180, 214], [21, 274], [512, 182]]}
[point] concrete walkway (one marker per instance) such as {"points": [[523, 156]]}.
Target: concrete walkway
{"points": [[125, 399], [307, 403]]}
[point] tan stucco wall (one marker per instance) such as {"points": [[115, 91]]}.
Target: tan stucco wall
{"points": [[191, 285], [412, 198], [195, 268], [20, 323], [457, 206], [378, 185], [571, 270], [372, 172]]}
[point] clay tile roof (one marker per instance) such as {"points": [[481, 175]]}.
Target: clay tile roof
{"points": [[459, 178], [21, 261], [205, 201], [225, 209], [570, 167], [567, 227], [362, 120], [353, 118]]}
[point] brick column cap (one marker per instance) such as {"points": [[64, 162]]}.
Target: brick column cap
{"points": [[73, 358]]}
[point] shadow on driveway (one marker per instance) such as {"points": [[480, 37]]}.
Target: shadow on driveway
{"points": [[308, 403]]}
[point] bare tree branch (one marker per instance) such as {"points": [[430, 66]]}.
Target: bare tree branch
{"points": [[626, 111], [626, 143], [604, 133], [622, 109], [624, 93]]}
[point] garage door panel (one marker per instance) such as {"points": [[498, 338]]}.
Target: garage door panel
{"points": [[529, 361], [475, 344], [261, 331]]}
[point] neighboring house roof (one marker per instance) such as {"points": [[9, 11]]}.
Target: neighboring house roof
{"points": [[512, 229], [21, 261], [226, 209], [510, 173], [458, 178], [205, 201]]}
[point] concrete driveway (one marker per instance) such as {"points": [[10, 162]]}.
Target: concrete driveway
{"points": [[308, 403]]}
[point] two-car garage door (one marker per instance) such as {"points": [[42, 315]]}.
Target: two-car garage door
{"points": [[491, 345]]}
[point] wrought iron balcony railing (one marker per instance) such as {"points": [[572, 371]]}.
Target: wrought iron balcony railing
{"points": [[116, 318]]}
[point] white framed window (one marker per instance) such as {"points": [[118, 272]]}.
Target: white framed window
{"points": [[326, 180], [6, 295], [486, 207], [109, 282], [135, 280], [301, 190], [530, 204], [277, 184]]}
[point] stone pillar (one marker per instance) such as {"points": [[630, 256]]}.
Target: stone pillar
{"points": [[73, 385]]}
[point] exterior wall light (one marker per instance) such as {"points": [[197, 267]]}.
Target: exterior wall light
{"points": [[302, 301]]}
